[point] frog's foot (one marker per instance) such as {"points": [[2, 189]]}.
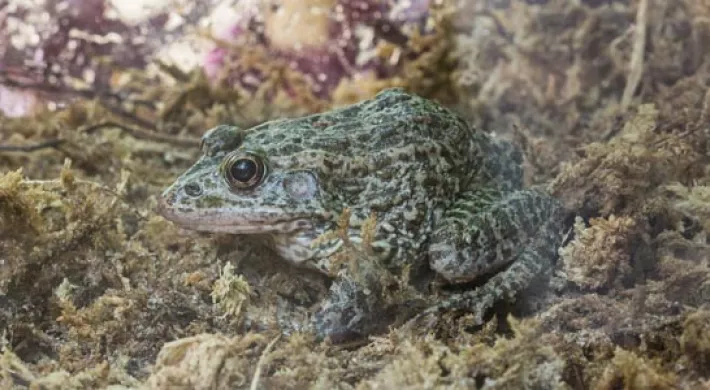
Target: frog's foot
{"points": [[514, 238], [350, 312], [503, 286]]}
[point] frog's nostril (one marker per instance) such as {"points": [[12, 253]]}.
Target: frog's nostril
{"points": [[193, 189]]}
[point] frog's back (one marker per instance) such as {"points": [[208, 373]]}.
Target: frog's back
{"points": [[392, 120]]}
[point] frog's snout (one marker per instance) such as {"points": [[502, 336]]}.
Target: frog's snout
{"points": [[172, 196], [166, 202]]}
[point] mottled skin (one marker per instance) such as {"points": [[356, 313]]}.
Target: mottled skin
{"points": [[447, 198]]}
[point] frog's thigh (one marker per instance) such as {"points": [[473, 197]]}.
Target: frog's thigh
{"points": [[503, 286], [478, 237]]}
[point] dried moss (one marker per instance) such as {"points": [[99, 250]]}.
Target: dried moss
{"points": [[692, 202], [620, 176], [207, 362], [695, 341], [599, 257], [628, 371], [17, 216], [14, 374], [230, 291]]}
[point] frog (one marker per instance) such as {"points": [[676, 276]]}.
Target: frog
{"points": [[447, 200]]}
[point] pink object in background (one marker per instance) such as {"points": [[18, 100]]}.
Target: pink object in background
{"points": [[18, 103], [326, 41]]}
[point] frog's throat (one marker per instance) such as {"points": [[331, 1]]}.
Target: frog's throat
{"points": [[305, 248], [227, 220]]}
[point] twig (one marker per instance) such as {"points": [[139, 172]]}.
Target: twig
{"points": [[52, 88], [61, 89], [137, 133], [106, 99], [173, 71], [143, 134], [636, 64], [261, 362], [50, 143], [103, 96], [704, 112], [53, 183]]}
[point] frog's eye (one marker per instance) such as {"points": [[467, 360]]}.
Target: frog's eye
{"points": [[243, 170]]}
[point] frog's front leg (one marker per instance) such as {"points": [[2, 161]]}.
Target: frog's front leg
{"points": [[487, 230], [349, 311]]}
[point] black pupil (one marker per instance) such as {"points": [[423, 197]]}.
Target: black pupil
{"points": [[243, 170]]}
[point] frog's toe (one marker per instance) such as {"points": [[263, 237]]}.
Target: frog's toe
{"points": [[338, 326], [343, 314], [454, 263]]}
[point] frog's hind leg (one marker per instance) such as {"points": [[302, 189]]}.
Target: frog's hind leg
{"points": [[502, 286], [513, 237]]}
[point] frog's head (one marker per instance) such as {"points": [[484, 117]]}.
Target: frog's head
{"points": [[235, 188]]}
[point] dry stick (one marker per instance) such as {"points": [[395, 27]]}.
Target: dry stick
{"points": [[151, 135], [143, 134], [50, 143], [706, 108], [260, 363], [137, 133], [636, 65], [59, 89]]}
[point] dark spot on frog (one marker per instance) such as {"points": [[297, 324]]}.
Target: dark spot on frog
{"points": [[307, 134], [421, 154], [336, 144], [193, 189], [377, 249], [290, 148], [333, 163], [303, 224], [429, 181], [384, 133], [278, 137], [383, 160]]}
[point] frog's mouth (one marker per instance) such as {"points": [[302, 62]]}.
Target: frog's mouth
{"points": [[229, 220]]}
